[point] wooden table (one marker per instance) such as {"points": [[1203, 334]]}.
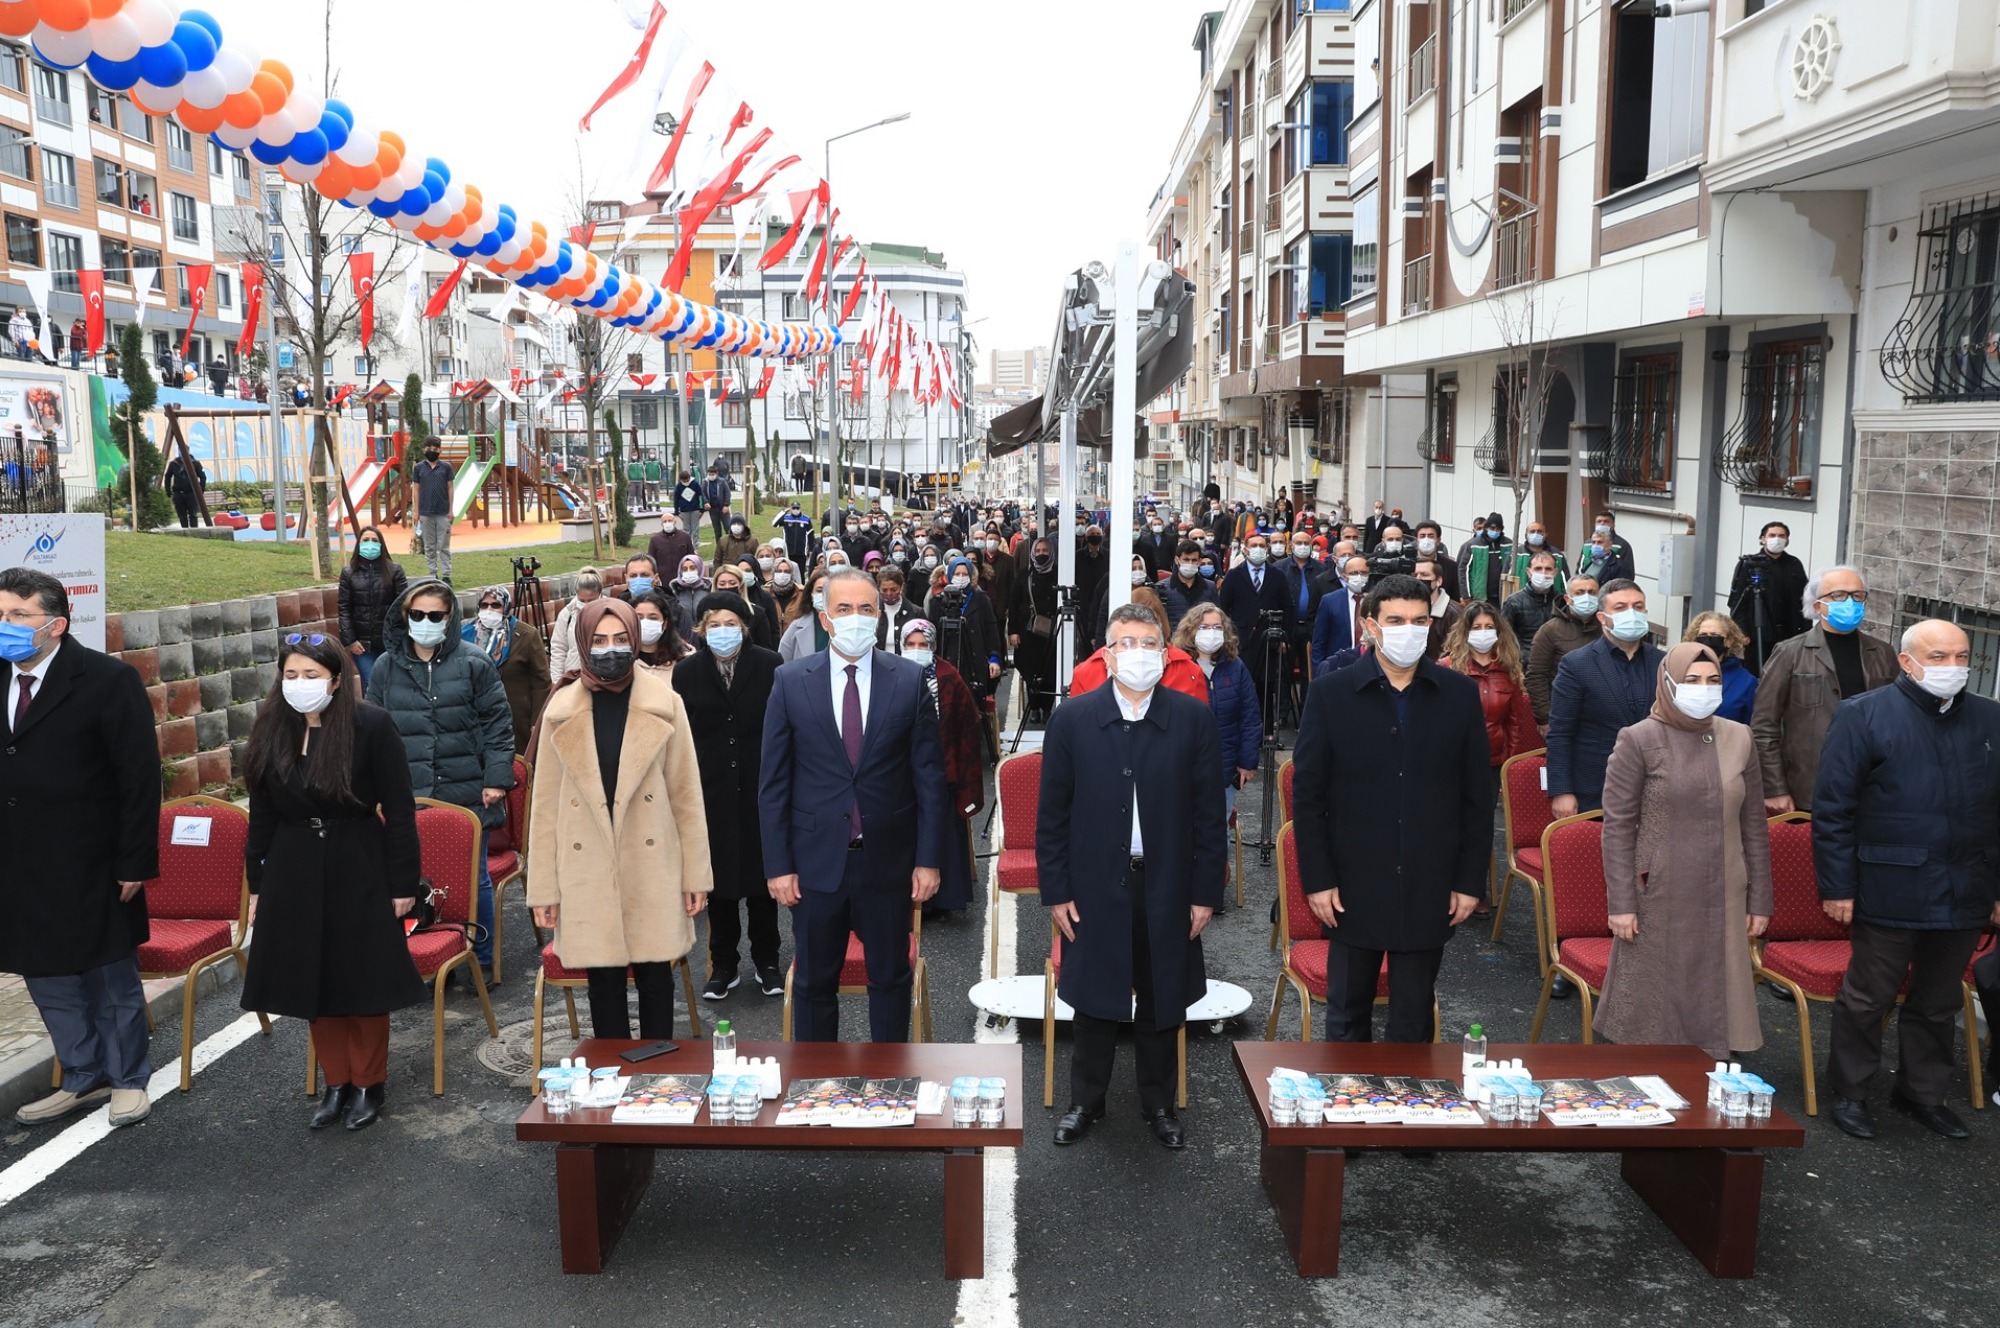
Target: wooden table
{"points": [[602, 1169], [1703, 1174]]}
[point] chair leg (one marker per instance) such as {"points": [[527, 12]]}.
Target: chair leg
{"points": [[993, 912], [919, 1001], [1505, 893], [1806, 1048], [569, 1000], [1437, 1021], [486, 1004], [1305, 1008], [1583, 997], [786, 1034], [437, 1028], [187, 1027], [535, 1060], [1542, 926], [687, 984], [1277, 1006], [499, 930], [1542, 1007], [1972, 1048], [1049, 1035], [1180, 1046]]}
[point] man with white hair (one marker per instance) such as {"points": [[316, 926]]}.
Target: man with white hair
{"points": [[1806, 677], [1906, 840]]}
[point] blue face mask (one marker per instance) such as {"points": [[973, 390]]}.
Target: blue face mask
{"points": [[371, 549], [17, 642], [427, 633], [724, 642], [1629, 625], [640, 585], [1844, 615]]}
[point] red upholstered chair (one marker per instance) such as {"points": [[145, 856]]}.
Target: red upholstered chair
{"points": [[507, 858], [1579, 924], [1525, 813], [1803, 950], [854, 978], [197, 907], [1019, 780], [553, 974], [1985, 947], [448, 838], [1306, 949], [1285, 792]]}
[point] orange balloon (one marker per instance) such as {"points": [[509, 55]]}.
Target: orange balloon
{"points": [[106, 8], [270, 91], [64, 15], [454, 227], [389, 138], [427, 232], [18, 20], [388, 160], [326, 186], [243, 110], [472, 194], [197, 120], [281, 71], [335, 178], [366, 177]]}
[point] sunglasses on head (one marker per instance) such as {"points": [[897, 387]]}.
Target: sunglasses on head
{"points": [[435, 615], [315, 639]]}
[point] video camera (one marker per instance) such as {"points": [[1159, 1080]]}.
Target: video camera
{"points": [[527, 565]]}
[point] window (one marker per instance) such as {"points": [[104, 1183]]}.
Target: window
{"points": [[116, 258], [187, 220], [1366, 244], [733, 412], [59, 183], [24, 241], [795, 404], [635, 364], [133, 122], [13, 70], [1639, 454], [215, 158], [1439, 443], [103, 105], [144, 258], [1774, 445], [65, 259], [797, 307], [180, 147], [1659, 88], [1332, 112], [277, 249], [110, 182], [1330, 278], [1946, 346], [1295, 286], [142, 194], [51, 94], [181, 280], [351, 245], [274, 206], [17, 153], [225, 291], [645, 413]]}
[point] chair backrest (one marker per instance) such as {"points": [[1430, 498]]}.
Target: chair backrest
{"points": [[200, 881], [1295, 917], [1796, 914], [448, 840], [513, 832], [1285, 792], [1020, 783], [1573, 857], [1523, 800]]}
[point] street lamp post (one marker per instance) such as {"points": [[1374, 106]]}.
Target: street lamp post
{"points": [[832, 377]]}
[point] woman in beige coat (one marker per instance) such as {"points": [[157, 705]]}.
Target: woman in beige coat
{"points": [[1687, 868], [620, 878]]}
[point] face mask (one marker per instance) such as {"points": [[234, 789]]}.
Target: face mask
{"points": [[1495, 534], [836, 562], [1776, 544], [670, 526], [643, 585], [1483, 640], [650, 631], [1696, 700], [689, 578], [308, 696], [919, 656], [1257, 556], [1138, 670], [17, 643], [1715, 643], [1043, 561], [1542, 580], [965, 582], [1600, 529], [723, 642], [819, 601], [1208, 571], [782, 580], [1302, 551], [431, 455], [610, 662], [1427, 545], [1629, 625], [1208, 640], [1157, 527], [1392, 546], [927, 563], [1403, 645], [736, 528], [766, 564], [854, 635], [1844, 615], [1536, 539], [1583, 606], [427, 633], [1189, 571], [1378, 509], [371, 549], [1358, 583], [491, 619], [1944, 681]]}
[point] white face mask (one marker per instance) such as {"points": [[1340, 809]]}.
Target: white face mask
{"points": [[1358, 583], [1302, 551], [920, 656], [1139, 670], [670, 526], [1697, 700], [766, 564], [1189, 571], [1536, 539], [1403, 645], [1776, 544], [491, 619], [1138, 577], [782, 580], [650, 631], [1483, 640], [1542, 580], [1257, 556], [1600, 529], [854, 635], [1392, 546], [1944, 681], [308, 696], [965, 582], [1208, 640], [690, 577], [1427, 545]]}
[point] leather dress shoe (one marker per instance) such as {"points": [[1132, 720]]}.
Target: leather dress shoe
{"points": [[1076, 1123], [367, 1106], [1938, 1119], [333, 1104], [1166, 1127], [1562, 988], [1851, 1115]]}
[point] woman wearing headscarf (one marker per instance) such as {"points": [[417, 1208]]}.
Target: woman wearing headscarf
{"points": [[562, 636], [1687, 868], [1031, 628], [786, 592], [968, 630], [517, 652], [959, 723], [686, 590], [618, 860]]}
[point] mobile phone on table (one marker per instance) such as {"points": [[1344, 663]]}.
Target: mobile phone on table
{"points": [[647, 1051]]}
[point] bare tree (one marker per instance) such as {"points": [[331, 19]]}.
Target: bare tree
{"points": [[1528, 371]]}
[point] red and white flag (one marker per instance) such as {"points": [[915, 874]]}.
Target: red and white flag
{"points": [[441, 297], [90, 282], [805, 204], [703, 205], [197, 276], [253, 306], [662, 172], [361, 272], [630, 73]]}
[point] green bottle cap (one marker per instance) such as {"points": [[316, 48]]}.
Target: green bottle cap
{"points": [[1478, 1030], [722, 1025]]}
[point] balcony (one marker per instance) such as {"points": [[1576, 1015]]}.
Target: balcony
{"points": [[1316, 200], [1318, 334], [54, 110], [1270, 344], [60, 194], [1422, 75], [1417, 286], [1246, 238], [1274, 211], [1514, 246], [1321, 46]]}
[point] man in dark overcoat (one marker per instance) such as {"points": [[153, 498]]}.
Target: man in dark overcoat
{"points": [[1393, 863], [1130, 890], [80, 813]]}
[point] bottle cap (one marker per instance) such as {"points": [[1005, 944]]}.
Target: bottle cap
{"points": [[1478, 1030], [722, 1025]]}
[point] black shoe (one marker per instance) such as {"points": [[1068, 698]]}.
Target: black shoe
{"points": [[719, 986], [1562, 989], [1076, 1123], [1851, 1115], [333, 1104], [1166, 1127], [367, 1107], [770, 981], [1781, 993], [1938, 1119]]}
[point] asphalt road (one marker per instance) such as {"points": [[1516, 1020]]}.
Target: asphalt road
{"points": [[224, 1209]]}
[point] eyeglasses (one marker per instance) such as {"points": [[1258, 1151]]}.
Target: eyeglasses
{"points": [[434, 615], [491, 604], [1842, 596], [1125, 643], [315, 639], [23, 617]]}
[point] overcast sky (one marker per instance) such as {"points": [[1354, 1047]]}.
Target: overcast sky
{"points": [[1039, 129]]}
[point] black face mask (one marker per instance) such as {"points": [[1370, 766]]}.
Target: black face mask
{"points": [[431, 454], [1715, 643], [611, 663]]}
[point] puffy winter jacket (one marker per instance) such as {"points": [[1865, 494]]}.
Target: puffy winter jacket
{"points": [[365, 597], [1232, 695], [451, 710], [1510, 720]]}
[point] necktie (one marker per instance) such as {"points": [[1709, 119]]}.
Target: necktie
{"points": [[1354, 622], [850, 737], [21, 706], [1257, 579], [1305, 591]]}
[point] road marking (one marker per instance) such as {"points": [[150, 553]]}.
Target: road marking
{"points": [[66, 1147]]}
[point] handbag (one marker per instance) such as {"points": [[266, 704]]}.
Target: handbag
{"points": [[1041, 625], [423, 915]]}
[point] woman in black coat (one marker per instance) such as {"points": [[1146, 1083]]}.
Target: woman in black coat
{"points": [[370, 585], [329, 877], [727, 718], [1035, 602], [968, 629]]}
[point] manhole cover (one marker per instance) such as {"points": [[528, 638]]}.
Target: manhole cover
{"points": [[513, 1052]]}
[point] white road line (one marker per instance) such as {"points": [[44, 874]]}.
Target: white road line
{"points": [[66, 1147]]}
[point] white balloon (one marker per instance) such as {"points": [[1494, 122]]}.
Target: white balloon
{"points": [[304, 110], [237, 64], [153, 19], [157, 97], [232, 137], [204, 89], [403, 221], [66, 48], [509, 252], [437, 214], [275, 129], [115, 38], [454, 197], [411, 173], [307, 173], [361, 147]]}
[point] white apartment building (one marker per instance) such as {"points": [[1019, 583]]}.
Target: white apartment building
{"points": [[1255, 211], [1015, 371]]}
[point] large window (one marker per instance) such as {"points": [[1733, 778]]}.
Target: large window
{"points": [[116, 257], [133, 122], [52, 94], [110, 182], [1946, 346], [1639, 453], [1332, 112], [1659, 91], [13, 68], [1367, 243], [180, 147], [142, 258], [1774, 445], [17, 153], [1330, 278], [65, 260], [187, 220], [1439, 443], [59, 184], [24, 241]]}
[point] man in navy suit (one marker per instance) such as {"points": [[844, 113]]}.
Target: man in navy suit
{"points": [[852, 803], [1600, 688], [1337, 625], [1252, 589]]}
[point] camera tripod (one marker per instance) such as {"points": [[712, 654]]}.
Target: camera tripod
{"points": [[1061, 637], [1277, 674], [528, 604]]}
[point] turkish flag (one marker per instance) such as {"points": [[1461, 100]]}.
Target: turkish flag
{"points": [[90, 281], [253, 307], [441, 297], [361, 271], [197, 278]]}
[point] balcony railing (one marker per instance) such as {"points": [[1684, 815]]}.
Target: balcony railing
{"points": [[1270, 345], [1243, 359], [1512, 7], [60, 195], [181, 158], [52, 109], [1423, 68], [1246, 239], [1417, 285], [1274, 212], [1516, 244]]}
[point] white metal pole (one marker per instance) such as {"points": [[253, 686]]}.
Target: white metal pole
{"points": [[1121, 487], [1063, 536]]}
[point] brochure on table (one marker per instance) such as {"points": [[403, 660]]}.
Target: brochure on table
{"points": [[1372, 1099]]}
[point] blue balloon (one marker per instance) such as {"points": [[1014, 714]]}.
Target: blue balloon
{"points": [[339, 108], [414, 203], [271, 154], [383, 208], [206, 22], [489, 246], [334, 130], [307, 149], [117, 75], [433, 185], [164, 66], [435, 166], [196, 43], [506, 226]]}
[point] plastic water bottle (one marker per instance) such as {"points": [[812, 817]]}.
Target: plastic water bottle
{"points": [[1473, 1054], [725, 1047]]}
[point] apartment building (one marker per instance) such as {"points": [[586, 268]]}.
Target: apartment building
{"points": [[1256, 211], [1015, 371]]}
